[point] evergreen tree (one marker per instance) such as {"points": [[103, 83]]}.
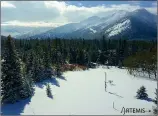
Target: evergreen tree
{"points": [[29, 75], [47, 65], [120, 64], [48, 91], [58, 64], [80, 57], [29, 84], [29, 63], [13, 88], [58, 70], [102, 57], [155, 101], [141, 93], [104, 44], [36, 70]]}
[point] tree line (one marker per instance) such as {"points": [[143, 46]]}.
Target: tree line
{"points": [[143, 63]]}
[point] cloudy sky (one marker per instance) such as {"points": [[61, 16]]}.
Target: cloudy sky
{"points": [[55, 13]]}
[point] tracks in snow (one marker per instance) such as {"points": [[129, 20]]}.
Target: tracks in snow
{"points": [[115, 94]]}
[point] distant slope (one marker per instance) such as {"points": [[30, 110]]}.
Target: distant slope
{"points": [[22, 31], [33, 32]]}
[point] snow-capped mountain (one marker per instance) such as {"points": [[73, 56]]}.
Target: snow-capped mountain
{"points": [[139, 24]]}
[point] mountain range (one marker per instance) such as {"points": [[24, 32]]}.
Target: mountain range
{"points": [[138, 24]]}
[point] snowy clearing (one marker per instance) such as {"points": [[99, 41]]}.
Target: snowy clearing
{"points": [[83, 92]]}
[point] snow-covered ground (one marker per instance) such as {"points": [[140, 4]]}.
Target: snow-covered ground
{"points": [[83, 92]]}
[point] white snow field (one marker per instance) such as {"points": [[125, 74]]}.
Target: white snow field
{"points": [[118, 28], [83, 93]]}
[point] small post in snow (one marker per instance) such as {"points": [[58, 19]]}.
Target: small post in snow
{"points": [[114, 107], [105, 81]]}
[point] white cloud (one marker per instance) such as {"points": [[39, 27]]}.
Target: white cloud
{"points": [[5, 4], [61, 6], [31, 24], [29, 11], [76, 13]]}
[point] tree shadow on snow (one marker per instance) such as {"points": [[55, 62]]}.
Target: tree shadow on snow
{"points": [[51, 97], [15, 109], [148, 99], [62, 77], [115, 94], [52, 81]]}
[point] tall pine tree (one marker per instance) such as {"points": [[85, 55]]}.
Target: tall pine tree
{"points": [[13, 88]]}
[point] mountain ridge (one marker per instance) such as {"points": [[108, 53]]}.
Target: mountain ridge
{"points": [[136, 24]]}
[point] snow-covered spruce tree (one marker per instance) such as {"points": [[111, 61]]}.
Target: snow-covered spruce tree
{"points": [[155, 110], [29, 62], [12, 81], [58, 71], [37, 76], [48, 91], [155, 101], [47, 65], [102, 58], [28, 77], [80, 57], [120, 64], [28, 89], [58, 64], [141, 93], [29, 84]]}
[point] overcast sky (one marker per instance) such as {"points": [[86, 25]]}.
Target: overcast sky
{"points": [[55, 13]]}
